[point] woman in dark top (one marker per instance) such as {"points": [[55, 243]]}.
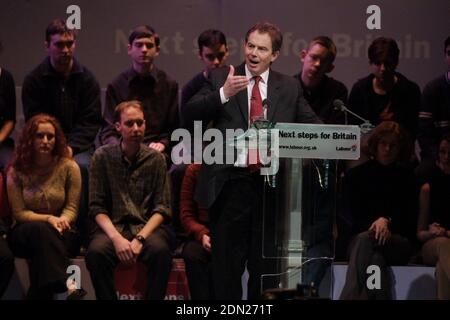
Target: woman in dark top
{"points": [[380, 199], [433, 228], [7, 115]]}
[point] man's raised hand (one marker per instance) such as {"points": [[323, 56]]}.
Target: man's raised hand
{"points": [[234, 84]]}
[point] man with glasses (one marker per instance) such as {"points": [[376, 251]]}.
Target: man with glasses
{"points": [[60, 86], [129, 201], [434, 116], [144, 82]]}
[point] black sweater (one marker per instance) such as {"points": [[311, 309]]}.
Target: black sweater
{"points": [[373, 190]]}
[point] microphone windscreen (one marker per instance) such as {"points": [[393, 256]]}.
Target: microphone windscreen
{"points": [[338, 103]]}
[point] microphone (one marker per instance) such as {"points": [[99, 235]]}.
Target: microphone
{"points": [[270, 179], [339, 105], [366, 126]]}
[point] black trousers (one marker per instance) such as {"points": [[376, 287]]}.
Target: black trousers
{"points": [[318, 216], [83, 223], [176, 177], [47, 254], [101, 259], [236, 239], [198, 270], [364, 251], [6, 265]]}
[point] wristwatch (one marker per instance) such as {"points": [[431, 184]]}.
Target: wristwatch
{"points": [[140, 238]]}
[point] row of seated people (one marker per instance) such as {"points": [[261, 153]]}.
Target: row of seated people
{"points": [[64, 88], [44, 185], [391, 215], [129, 208], [388, 87]]}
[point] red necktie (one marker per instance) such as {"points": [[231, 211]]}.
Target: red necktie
{"points": [[256, 111]]}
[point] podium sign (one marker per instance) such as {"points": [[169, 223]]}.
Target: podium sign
{"points": [[318, 141]]}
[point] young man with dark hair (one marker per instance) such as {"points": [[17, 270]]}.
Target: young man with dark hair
{"points": [[320, 90], [60, 86], [129, 199], [386, 94], [213, 52], [143, 81], [320, 210]]}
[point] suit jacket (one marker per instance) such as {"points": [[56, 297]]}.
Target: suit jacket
{"points": [[286, 104]]}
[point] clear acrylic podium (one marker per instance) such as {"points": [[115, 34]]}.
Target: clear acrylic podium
{"points": [[299, 212], [298, 220]]}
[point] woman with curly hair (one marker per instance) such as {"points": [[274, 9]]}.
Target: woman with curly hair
{"points": [[44, 186], [381, 199]]}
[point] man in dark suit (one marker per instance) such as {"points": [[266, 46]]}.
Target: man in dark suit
{"points": [[231, 98]]}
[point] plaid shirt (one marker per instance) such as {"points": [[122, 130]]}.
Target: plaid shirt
{"points": [[129, 193]]}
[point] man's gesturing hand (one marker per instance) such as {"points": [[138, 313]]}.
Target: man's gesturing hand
{"points": [[234, 84]]}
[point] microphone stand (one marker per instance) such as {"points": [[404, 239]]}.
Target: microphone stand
{"points": [[366, 126], [264, 123]]}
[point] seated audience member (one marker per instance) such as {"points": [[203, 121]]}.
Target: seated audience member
{"points": [[434, 116], [197, 249], [380, 196], [7, 115], [320, 91], [386, 94], [6, 256], [129, 199], [433, 228], [158, 93], [213, 53], [144, 82], [44, 189]]}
